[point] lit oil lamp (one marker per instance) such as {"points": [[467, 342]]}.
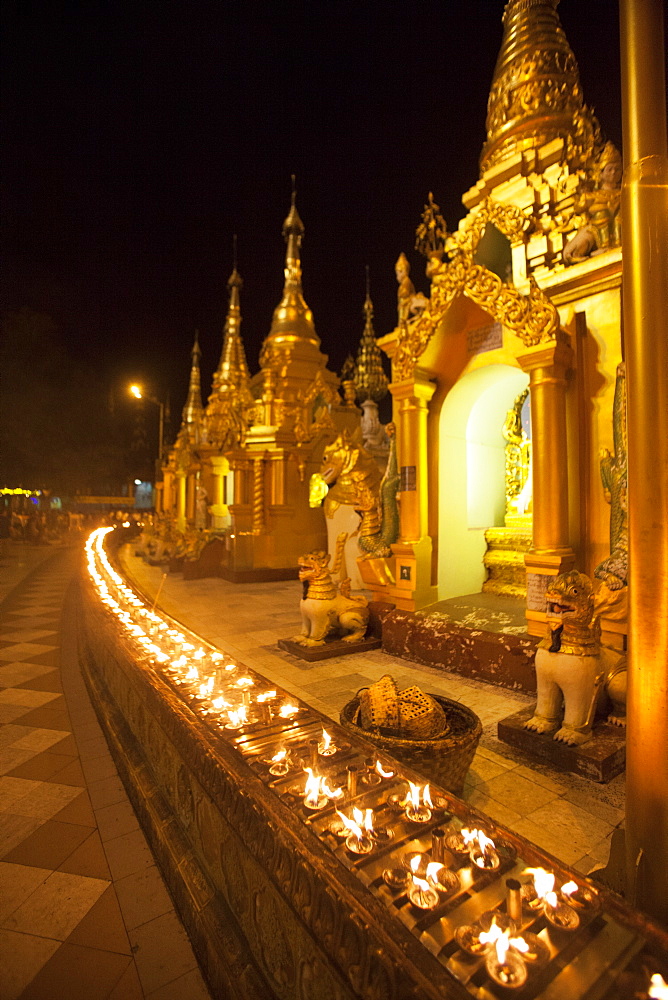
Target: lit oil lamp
{"points": [[578, 896], [442, 878], [264, 702], [288, 710], [331, 793], [534, 952], [503, 964], [658, 988], [416, 863], [560, 915], [280, 764], [236, 718], [533, 895], [359, 830], [314, 797], [418, 812], [460, 842], [422, 894], [326, 748], [482, 853], [382, 772]]}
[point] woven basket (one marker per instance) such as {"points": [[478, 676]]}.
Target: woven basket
{"points": [[444, 760]]}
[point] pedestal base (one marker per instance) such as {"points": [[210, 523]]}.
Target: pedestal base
{"points": [[332, 647], [601, 759]]}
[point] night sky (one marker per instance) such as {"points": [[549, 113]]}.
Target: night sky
{"points": [[138, 137]]}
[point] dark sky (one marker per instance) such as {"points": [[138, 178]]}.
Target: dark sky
{"points": [[138, 137]]}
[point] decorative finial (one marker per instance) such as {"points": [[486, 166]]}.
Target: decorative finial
{"points": [[431, 234], [234, 280]]}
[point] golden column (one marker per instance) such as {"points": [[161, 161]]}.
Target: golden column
{"points": [[219, 510], [551, 552], [414, 548], [191, 495], [645, 315], [181, 501]]}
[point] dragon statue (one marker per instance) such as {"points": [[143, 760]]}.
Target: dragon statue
{"points": [[325, 607], [572, 668], [358, 503]]}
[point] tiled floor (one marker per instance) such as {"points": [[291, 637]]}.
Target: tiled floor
{"points": [[83, 909], [566, 815]]}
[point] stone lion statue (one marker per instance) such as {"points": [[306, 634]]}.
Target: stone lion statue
{"points": [[326, 608]]}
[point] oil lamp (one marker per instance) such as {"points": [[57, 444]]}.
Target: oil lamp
{"points": [[359, 837], [560, 915], [503, 965], [467, 937], [421, 894], [236, 718], [370, 775], [288, 710], [280, 764], [483, 854], [578, 896], [534, 952], [314, 797], [326, 748], [418, 812], [396, 878]]}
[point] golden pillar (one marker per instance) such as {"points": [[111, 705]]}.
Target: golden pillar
{"points": [[645, 315], [413, 585], [167, 491], [191, 495], [551, 552], [159, 498], [181, 501], [219, 510]]}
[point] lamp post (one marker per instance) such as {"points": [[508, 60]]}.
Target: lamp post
{"points": [[136, 391]]}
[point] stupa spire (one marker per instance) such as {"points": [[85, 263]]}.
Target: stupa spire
{"points": [[535, 95], [230, 395], [292, 321], [191, 416]]}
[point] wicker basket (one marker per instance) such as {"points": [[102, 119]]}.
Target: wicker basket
{"points": [[445, 759]]}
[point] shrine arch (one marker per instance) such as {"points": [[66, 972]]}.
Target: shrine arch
{"points": [[472, 473]]}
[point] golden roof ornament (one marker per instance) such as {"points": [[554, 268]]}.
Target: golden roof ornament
{"points": [[535, 95], [191, 416], [370, 379], [431, 234], [292, 321]]}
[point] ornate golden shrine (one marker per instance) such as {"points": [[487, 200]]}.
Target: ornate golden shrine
{"points": [[560, 325]]}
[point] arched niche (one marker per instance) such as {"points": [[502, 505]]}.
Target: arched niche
{"points": [[472, 472]]}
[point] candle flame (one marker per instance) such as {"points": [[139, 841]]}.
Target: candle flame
{"points": [[415, 863], [568, 888], [485, 842], [281, 755], [499, 938], [543, 881], [421, 884], [285, 711], [519, 944], [326, 740], [659, 987], [433, 868], [381, 772], [426, 797], [244, 682], [237, 716], [313, 789], [219, 703], [351, 825], [267, 696]]}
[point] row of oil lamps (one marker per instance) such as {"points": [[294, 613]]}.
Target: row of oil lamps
{"points": [[225, 694]]}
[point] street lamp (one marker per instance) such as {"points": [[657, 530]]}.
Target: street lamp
{"points": [[136, 391]]}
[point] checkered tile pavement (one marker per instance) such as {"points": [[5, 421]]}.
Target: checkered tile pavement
{"points": [[83, 909]]}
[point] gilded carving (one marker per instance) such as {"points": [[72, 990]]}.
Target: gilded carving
{"points": [[533, 318]]}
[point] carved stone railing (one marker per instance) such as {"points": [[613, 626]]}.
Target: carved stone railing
{"points": [[274, 903]]}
